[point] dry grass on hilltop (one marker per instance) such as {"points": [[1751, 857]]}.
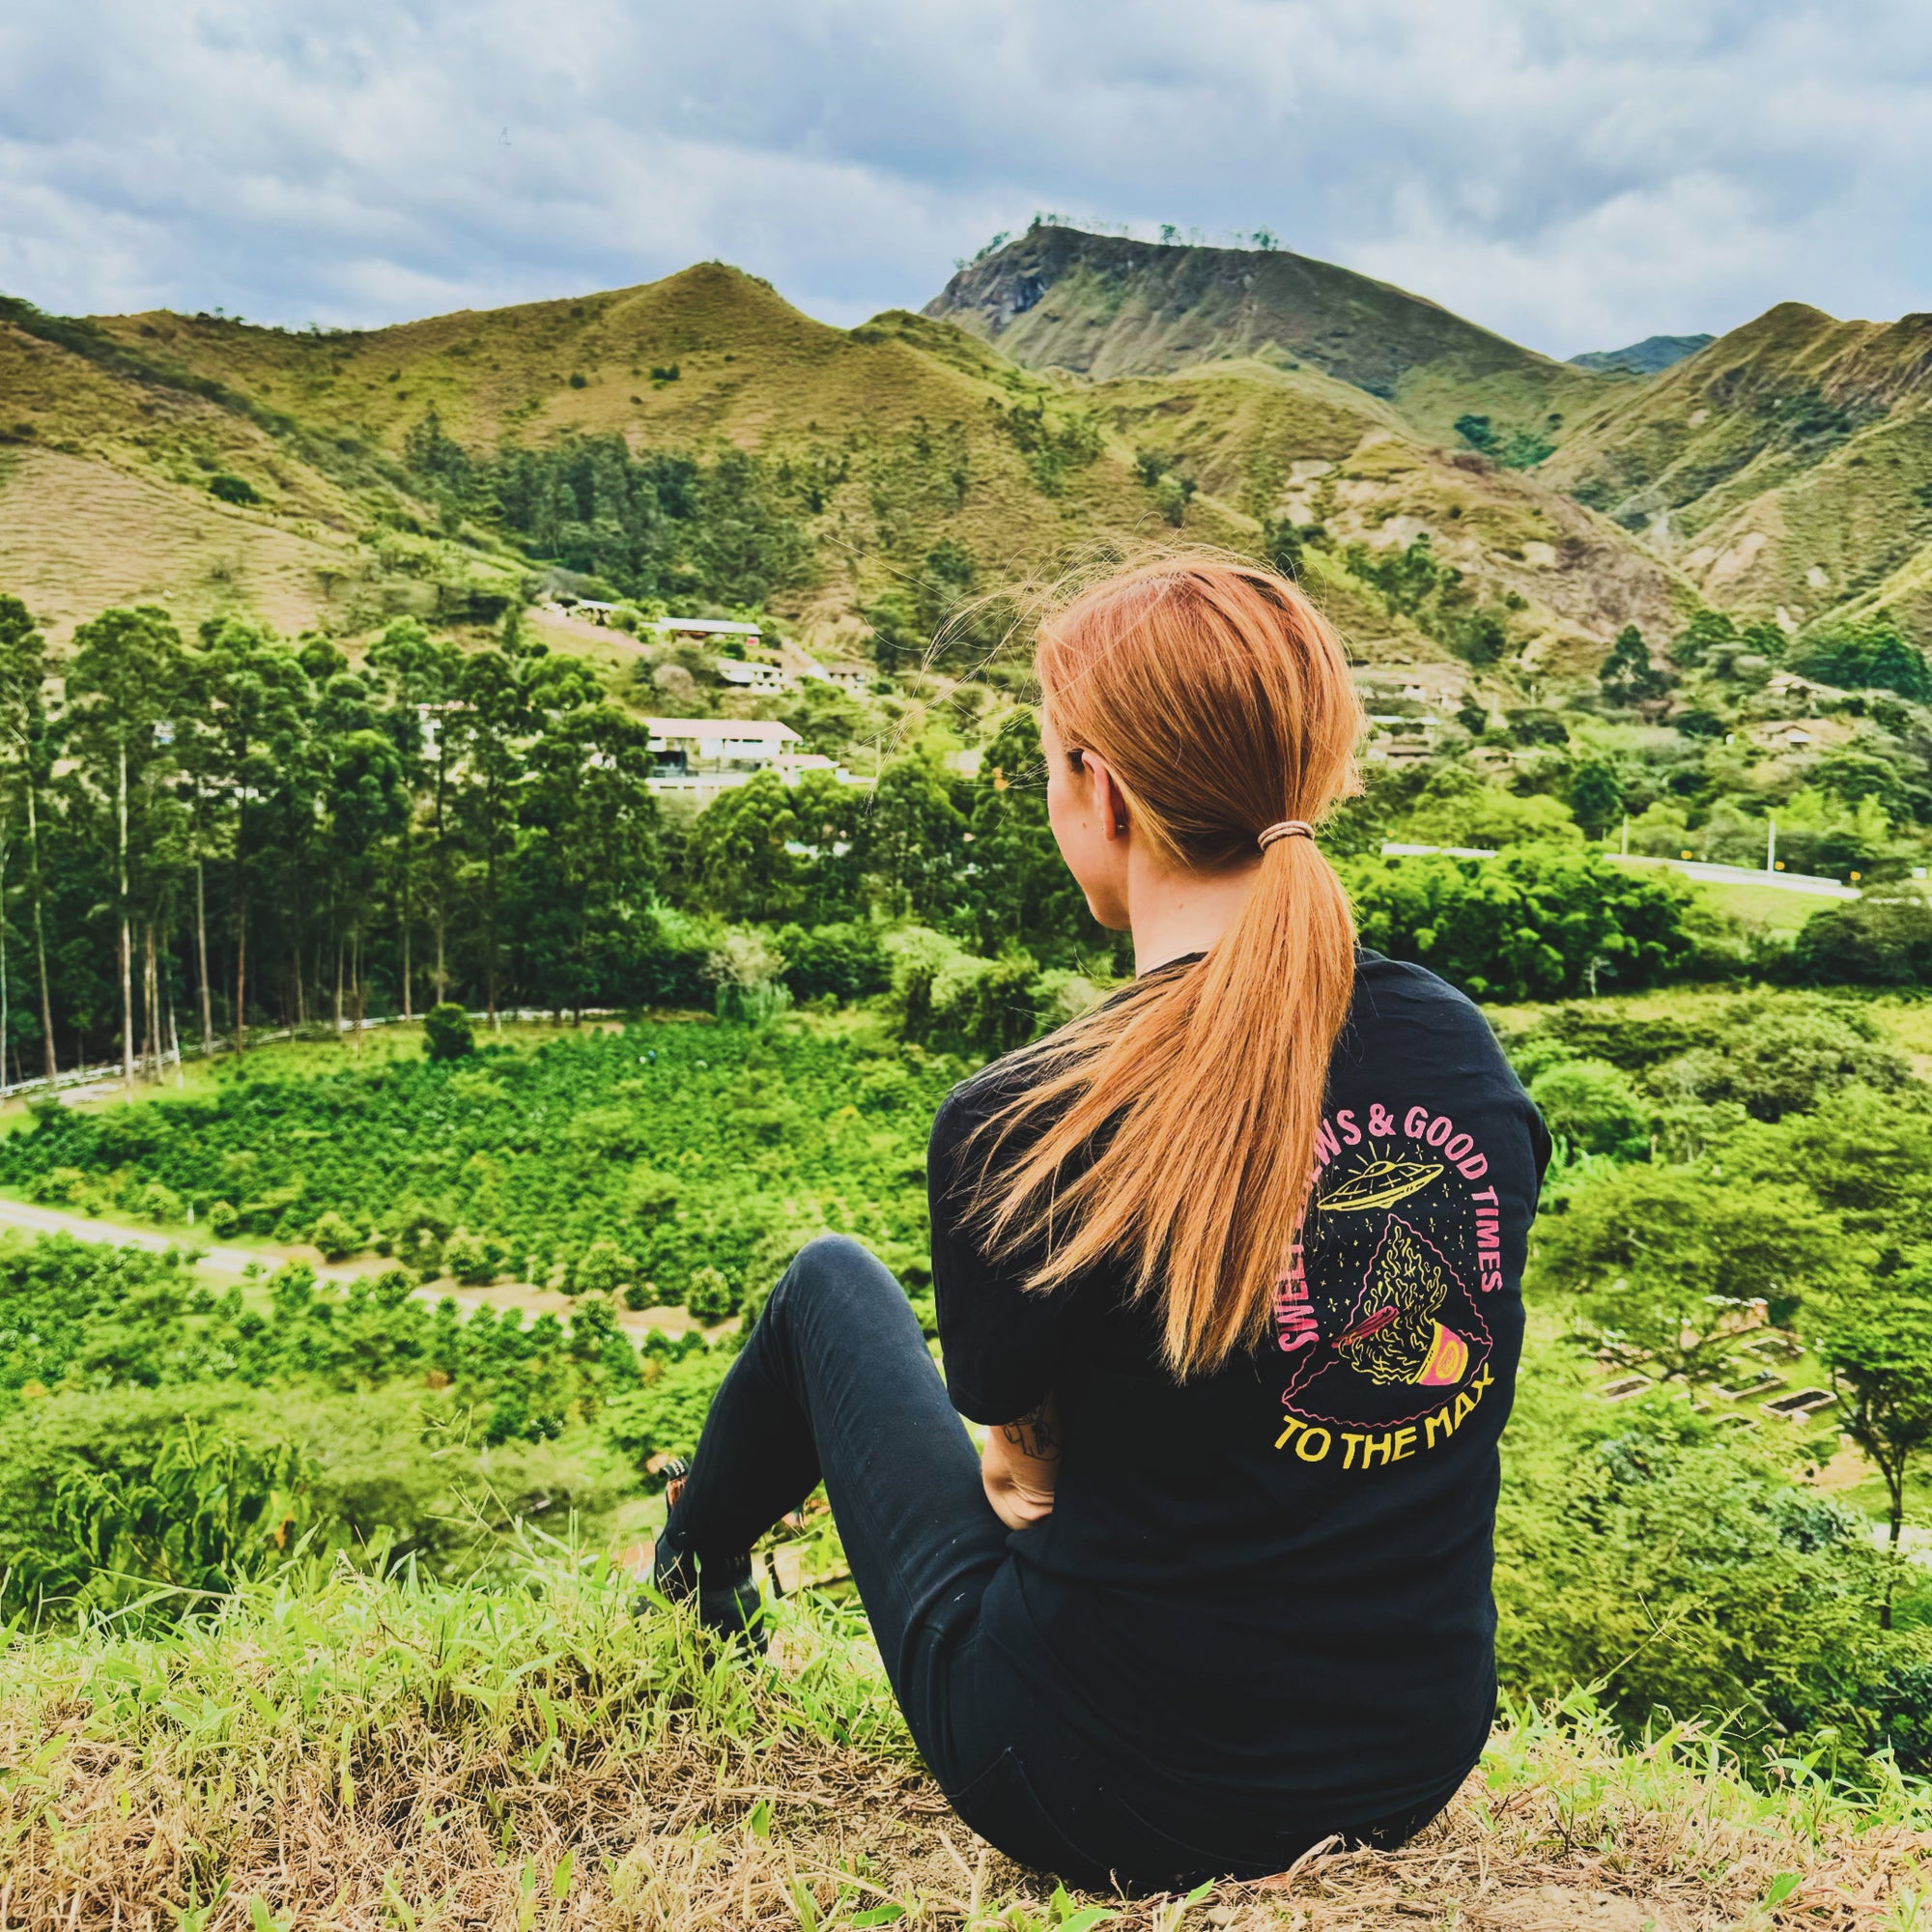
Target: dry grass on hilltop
{"points": [[365, 1753]]}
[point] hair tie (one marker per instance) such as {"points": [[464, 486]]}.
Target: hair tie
{"points": [[1286, 828]]}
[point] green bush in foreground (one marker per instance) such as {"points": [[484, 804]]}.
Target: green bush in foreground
{"points": [[1684, 1572]]}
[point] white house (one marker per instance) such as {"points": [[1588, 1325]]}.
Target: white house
{"points": [[703, 628], [711, 755], [707, 755], [750, 676]]}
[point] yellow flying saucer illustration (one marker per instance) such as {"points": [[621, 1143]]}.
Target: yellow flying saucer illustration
{"points": [[1380, 1184]]}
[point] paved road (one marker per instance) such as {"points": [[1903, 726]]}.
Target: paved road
{"points": [[1692, 869]]}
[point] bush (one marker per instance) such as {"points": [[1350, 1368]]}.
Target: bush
{"points": [[156, 1202], [1535, 925], [709, 1297], [1459, 807], [1602, 1029], [1777, 1056], [333, 1235], [662, 1418], [603, 1268], [394, 1474], [1591, 1106], [844, 960], [447, 1033], [1882, 940], [949, 997], [233, 489], [1691, 1575], [1664, 1260], [209, 1513], [678, 1141], [61, 1187], [470, 1258], [1874, 653]]}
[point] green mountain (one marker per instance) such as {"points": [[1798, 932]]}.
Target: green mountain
{"points": [[1786, 467], [1101, 305], [871, 477], [1649, 357], [1782, 471]]}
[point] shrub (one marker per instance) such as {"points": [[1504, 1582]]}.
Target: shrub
{"points": [[1662, 1259], [233, 489], [603, 1268], [60, 1188], [883, 1086], [680, 1142], [1536, 924], [1456, 807], [846, 960], [1882, 940], [1781, 1056], [333, 1235], [709, 1297], [665, 1415], [1863, 655], [156, 1202], [210, 1513], [1592, 1106], [469, 1258], [1689, 1574], [447, 1033]]}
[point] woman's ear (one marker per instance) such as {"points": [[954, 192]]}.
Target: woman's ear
{"points": [[1110, 803]]}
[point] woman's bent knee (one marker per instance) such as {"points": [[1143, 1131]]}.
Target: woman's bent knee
{"points": [[834, 1267]]}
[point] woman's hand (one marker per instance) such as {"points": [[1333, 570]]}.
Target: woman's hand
{"points": [[1020, 1465]]}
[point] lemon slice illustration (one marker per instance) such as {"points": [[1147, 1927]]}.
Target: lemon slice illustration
{"points": [[1380, 1184]]}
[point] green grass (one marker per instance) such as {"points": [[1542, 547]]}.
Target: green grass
{"points": [[337, 1751], [1765, 906]]}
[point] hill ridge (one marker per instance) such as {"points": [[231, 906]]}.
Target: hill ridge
{"points": [[1648, 357], [990, 295], [1127, 389]]}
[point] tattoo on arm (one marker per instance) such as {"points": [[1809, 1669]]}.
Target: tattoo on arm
{"points": [[1035, 1434]]}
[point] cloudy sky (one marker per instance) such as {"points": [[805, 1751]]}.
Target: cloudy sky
{"points": [[1574, 173]]}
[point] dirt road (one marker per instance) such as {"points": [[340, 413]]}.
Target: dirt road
{"points": [[31, 1218]]}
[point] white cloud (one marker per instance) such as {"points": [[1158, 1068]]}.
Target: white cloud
{"points": [[1573, 175]]}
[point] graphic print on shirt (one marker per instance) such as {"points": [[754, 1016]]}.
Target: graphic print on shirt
{"points": [[1377, 1320]]}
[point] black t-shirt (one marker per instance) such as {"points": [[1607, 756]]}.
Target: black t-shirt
{"points": [[1270, 1585]]}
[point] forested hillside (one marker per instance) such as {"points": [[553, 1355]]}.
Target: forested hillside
{"points": [[872, 477]]}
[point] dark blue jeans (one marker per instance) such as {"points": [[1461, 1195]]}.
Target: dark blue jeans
{"points": [[834, 1383]]}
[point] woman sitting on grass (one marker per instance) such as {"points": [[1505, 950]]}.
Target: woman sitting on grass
{"points": [[1230, 1267]]}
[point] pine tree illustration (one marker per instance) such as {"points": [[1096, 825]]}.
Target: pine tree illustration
{"points": [[1408, 1279]]}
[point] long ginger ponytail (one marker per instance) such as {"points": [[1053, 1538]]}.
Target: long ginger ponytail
{"points": [[1173, 1130]]}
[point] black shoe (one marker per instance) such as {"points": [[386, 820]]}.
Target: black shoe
{"points": [[725, 1588]]}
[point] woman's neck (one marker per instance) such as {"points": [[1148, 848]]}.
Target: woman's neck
{"points": [[1172, 914]]}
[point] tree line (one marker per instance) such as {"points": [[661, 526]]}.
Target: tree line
{"points": [[200, 834]]}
